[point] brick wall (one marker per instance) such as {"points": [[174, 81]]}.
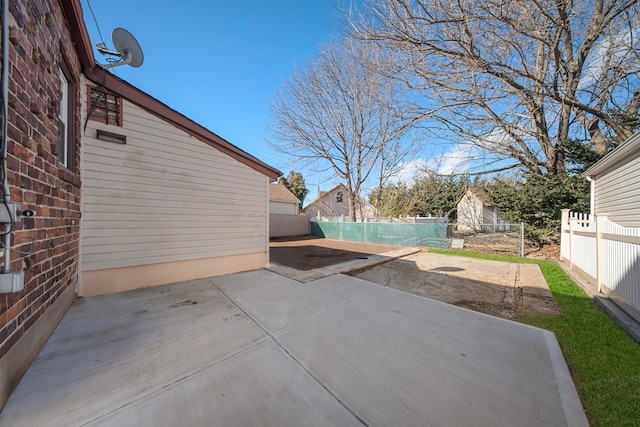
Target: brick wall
{"points": [[46, 246]]}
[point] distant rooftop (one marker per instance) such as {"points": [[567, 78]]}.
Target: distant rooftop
{"points": [[279, 192]]}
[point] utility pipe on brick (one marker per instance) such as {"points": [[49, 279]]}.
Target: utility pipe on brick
{"points": [[5, 109]]}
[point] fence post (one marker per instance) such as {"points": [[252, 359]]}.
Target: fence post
{"points": [[571, 245], [522, 239], [564, 240], [600, 250]]}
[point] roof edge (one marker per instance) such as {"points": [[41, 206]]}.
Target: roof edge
{"points": [[154, 106], [290, 197], [73, 12], [628, 148]]}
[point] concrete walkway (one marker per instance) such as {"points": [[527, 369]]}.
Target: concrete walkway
{"points": [[260, 349]]}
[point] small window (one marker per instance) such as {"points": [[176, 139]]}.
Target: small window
{"points": [[339, 197], [65, 136], [105, 107]]}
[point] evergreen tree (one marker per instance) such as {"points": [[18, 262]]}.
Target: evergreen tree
{"points": [[295, 183]]}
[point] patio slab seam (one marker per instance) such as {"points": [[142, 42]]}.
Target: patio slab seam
{"points": [[274, 339], [309, 318]]}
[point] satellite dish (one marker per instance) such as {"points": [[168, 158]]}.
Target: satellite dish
{"points": [[127, 49]]}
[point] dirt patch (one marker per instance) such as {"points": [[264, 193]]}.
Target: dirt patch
{"points": [[506, 311], [508, 244], [497, 288], [311, 253], [550, 252], [498, 243]]}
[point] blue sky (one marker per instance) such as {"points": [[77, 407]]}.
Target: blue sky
{"points": [[219, 62]]}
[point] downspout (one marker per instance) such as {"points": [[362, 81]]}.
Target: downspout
{"points": [[9, 281], [5, 108], [592, 193]]}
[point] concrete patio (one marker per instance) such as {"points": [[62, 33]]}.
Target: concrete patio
{"points": [[257, 348]]}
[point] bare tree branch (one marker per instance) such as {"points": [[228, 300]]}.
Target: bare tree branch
{"points": [[537, 72], [341, 111]]}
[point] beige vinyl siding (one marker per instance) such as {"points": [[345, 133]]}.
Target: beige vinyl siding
{"points": [[165, 196], [286, 208], [618, 194]]}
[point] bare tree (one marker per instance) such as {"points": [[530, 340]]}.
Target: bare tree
{"points": [[515, 78], [339, 113]]}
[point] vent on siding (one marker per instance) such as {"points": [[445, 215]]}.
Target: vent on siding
{"points": [[106, 107]]}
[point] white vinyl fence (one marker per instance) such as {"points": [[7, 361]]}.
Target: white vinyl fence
{"points": [[605, 251]]}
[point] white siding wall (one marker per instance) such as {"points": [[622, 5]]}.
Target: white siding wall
{"points": [[618, 194], [284, 208], [288, 225], [165, 196], [470, 213]]}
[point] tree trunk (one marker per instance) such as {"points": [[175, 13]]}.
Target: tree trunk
{"points": [[352, 206]]}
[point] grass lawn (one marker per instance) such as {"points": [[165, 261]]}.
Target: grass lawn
{"points": [[604, 361]]}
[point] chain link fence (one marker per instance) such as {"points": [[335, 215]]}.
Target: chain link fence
{"points": [[498, 238]]}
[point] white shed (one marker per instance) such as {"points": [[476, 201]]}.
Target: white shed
{"points": [[476, 213], [163, 199]]}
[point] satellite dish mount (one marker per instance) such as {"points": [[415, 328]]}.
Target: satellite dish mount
{"points": [[127, 49]]}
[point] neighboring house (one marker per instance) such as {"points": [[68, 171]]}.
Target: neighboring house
{"points": [[605, 244], [282, 201], [335, 204], [162, 198], [475, 212]]}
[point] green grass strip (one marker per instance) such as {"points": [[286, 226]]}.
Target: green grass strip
{"points": [[604, 361]]}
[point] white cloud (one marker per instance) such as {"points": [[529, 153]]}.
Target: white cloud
{"points": [[455, 161], [409, 171]]}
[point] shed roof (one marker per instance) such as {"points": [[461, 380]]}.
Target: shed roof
{"points": [[481, 195], [280, 193]]}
